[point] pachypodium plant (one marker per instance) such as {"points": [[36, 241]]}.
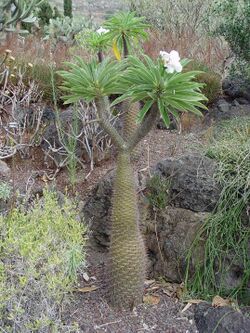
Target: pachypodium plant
{"points": [[163, 90], [126, 30], [15, 11]]}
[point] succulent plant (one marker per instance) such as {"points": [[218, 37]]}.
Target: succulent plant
{"points": [[14, 11], [162, 93]]}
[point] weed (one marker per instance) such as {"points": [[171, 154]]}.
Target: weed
{"points": [[158, 191], [212, 80]]}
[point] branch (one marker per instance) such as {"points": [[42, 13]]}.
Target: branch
{"points": [[101, 108], [143, 129]]}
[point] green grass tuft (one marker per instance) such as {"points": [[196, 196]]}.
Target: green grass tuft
{"points": [[227, 230]]}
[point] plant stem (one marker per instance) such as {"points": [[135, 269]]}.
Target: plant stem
{"points": [[127, 252]]}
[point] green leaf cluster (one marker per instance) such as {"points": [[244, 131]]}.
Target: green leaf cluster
{"points": [[126, 27], [148, 81], [137, 80], [92, 80], [93, 41]]}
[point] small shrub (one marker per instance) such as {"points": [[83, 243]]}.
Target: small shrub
{"points": [[233, 20], [67, 5], [157, 191], [5, 191], [211, 80], [41, 253], [45, 13], [43, 74]]}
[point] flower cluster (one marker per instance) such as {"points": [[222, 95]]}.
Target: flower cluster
{"points": [[102, 30], [171, 61]]}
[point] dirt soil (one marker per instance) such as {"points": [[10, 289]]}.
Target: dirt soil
{"points": [[160, 312]]}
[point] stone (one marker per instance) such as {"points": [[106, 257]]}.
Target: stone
{"points": [[168, 234], [242, 101], [5, 171], [192, 182], [220, 319], [236, 87], [236, 110], [223, 105], [161, 125], [5, 187], [97, 210]]}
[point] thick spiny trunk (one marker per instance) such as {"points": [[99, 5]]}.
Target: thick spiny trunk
{"points": [[127, 252]]}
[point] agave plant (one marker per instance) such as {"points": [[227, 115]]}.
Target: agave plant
{"points": [[162, 93]]}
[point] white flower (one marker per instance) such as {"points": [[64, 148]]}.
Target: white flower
{"points": [[171, 61], [102, 30]]}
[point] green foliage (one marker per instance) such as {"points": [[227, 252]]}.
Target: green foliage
{"points": [[149, 82], [158, 191], [210, 79], [93, 41], [46, 13], [42, 74], [125, 28], [227, 231], [5, 191], [64, 29], [41, 253], [136, 80], [233, 24], [93, 80], [67, 6], [240, 69], [14, 11]]}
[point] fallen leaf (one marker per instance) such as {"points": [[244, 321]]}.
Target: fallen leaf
{"points": [[151, 299], [149, 282], [87, 289], [219, 301], [194, 301], [153, 288], [169, 293], [85, 277], [180, 290], [187, 306]]}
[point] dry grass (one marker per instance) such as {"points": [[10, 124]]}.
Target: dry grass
{"points": [[35, 50]]}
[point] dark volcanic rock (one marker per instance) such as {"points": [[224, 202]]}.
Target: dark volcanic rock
{"points": [[5, 171], [192, 184], [236, 87], [97, 210], [220, 320], [169, 233]]}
